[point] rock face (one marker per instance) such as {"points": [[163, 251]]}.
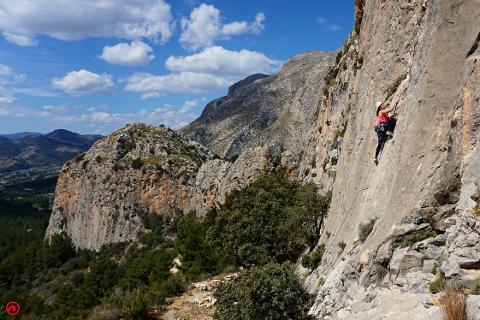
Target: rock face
{"points": [[101, 195], [424, 56], [276, 110]]}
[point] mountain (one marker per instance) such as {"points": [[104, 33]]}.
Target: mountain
{"points": [[27, 151], [393, 229], [19, 135], [262, 109]]}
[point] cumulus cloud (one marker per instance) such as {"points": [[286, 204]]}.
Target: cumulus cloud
{"points": [[213, 69], [7, 100], [136, 53], [98, 117], [22, 20], [184, 82], [83, 82], [205, 25], [219, 61]]}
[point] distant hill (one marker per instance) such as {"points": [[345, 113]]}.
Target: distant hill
{"points": [[19, 135], [27, 150]]}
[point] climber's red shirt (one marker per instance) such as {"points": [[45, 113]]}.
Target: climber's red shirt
{"points": [[382, 118]]}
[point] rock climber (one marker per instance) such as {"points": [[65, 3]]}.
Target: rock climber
{"points": [[385, 126]]}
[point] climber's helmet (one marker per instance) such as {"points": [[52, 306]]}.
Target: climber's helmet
{"points": [[378, 105]]}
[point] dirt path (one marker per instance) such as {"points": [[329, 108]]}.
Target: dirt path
{"points": [[197, 303]]}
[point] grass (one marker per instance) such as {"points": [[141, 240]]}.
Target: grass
{"points": [[417, 236], [454, 305], [437, 285], [394, 86], [364, 230]]}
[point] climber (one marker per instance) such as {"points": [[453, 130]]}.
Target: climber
{"points": [[384, 127]]}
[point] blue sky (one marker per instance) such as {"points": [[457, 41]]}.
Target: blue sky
{"points": [[91, 66]]}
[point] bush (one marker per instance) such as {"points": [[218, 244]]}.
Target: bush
{"points": [[438, 284], [313, 259], [476, 211], [270, 292], [364, 230], [417, 236], [476, 287], [273, 219], [137, 163], [454, 305], [342, 246], [394, 86]]}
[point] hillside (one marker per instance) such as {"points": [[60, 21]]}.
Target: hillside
{"points": [[32, 151]]}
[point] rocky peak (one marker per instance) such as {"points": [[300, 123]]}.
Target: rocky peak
{"points": [[139, 169]]}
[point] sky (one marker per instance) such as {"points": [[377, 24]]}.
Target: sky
{"points": [[92, 66]]}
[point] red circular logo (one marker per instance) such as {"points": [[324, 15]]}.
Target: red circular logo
{"points": [[12, 308]]}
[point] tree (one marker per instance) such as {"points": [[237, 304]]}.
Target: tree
{"points": [[272, 292]]}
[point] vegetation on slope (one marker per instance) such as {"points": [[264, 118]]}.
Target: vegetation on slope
{"points": [[263, 227]]}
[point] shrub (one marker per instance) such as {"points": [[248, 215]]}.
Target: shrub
{"points": [[438, 284], [454, 305], [270, 292], [339, 56], [134, 304], [342, 246], [417, 236], [313, 259], [79, 158], [364, 230], [273, 219], [476, 211], [137, 163], [394, 86], [476, 287], [98, 159]]}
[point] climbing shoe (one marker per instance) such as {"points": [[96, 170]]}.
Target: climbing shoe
{"points": [[376, 162], [389, 135]]}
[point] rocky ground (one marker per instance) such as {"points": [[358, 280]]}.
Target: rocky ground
{"points": [[197, 303]]}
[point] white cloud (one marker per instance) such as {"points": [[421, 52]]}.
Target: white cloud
{"points": [[136, 53], [22, 20], [82, 82], [5, 70], [204, 26], [21, 40], [213, 69], [184, 82], [219, 61], [188, 106], [7, 100]]}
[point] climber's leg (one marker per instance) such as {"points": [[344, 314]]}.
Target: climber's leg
{"points": [[390, 125], [381, 142]]}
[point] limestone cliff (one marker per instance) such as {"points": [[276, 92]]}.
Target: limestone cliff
{"points": [[424, 56], [101, 195]]}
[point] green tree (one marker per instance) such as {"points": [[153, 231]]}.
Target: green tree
{"points": [[272, 292]]}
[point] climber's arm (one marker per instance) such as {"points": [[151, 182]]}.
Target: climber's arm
{"points": [[387, 110]]}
